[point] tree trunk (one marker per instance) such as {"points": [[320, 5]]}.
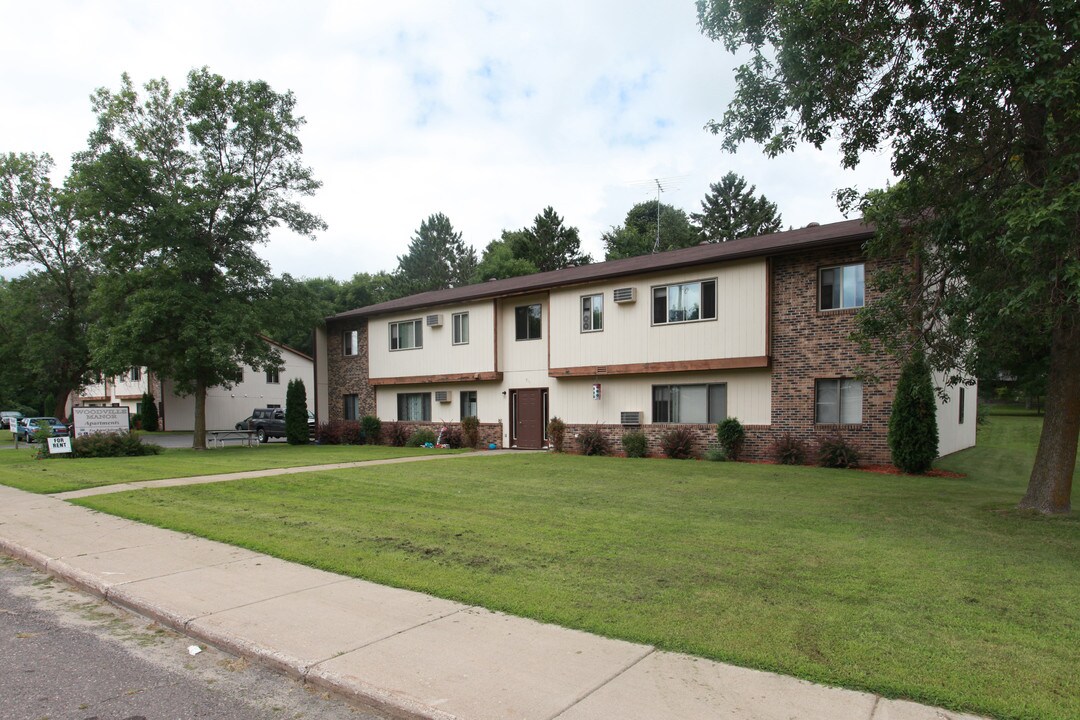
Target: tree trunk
{"points": [[199, 441], [60, 409], [1050, 487]]}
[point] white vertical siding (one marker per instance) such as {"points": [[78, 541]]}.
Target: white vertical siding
{"points": [[952, 434], [439, 355]]}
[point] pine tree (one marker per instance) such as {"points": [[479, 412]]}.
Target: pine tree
{"points": [[149, 413], [548, 244], [913, 431], [296, 417], [731, 211], [437, 259]]}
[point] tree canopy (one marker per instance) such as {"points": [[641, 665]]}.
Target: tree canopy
{"points": [[638, 233], [548, 244], [499, 262], [437, 258], [731, 211], [978, 104], [175, 191]]}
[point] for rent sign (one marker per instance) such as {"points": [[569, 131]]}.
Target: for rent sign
{"points": [[89, 420]]}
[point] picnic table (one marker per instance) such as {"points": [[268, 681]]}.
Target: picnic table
{"points": [[218, 437]]}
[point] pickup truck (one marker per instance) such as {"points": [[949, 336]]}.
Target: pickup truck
{"points": [[267, 423]]}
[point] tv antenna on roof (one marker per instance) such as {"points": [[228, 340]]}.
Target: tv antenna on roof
{"points": [[659, 189]]}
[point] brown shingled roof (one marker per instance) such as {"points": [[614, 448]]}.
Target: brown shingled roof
{"points": [[760, 246]]}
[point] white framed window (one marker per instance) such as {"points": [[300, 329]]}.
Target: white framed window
{"points": [[468, 404], [698, 404], [838, 401], [414, 406], [684, 302], [461, 328], [528, 321], [842, 287], [592, 313], [272, 376], [407, 335], [135, 374], [350, 342], [351, 407]]}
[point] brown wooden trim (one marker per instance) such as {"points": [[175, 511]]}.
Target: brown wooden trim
{"points": [[93, 398], [129, 397], [448, 378], [737, 363]]}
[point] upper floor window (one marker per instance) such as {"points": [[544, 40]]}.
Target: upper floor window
{"points": [[689, 403], [842, 287], [351, 342], [461, 328], [838, 401], [406, 335], [684, 302], [592, 313], [135, 374], [527, 322], [272, 376]]}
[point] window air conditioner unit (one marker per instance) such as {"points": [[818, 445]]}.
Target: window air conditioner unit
{"points": [[630, 418], [624, 295], [442, 396], [434, 321]]}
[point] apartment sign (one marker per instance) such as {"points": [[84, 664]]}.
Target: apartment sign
{"points": [[91, 420]]}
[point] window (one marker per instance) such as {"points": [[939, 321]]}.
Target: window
{"points": [[468, 404], [351, 407], [592, 313], [527, 322], [461, 328], [685, 302], [406, 335], [135, 374], [842, 287], [351, 342], [689, 403], [272, 377], [839, 402], [414, 406], [961, 406]]}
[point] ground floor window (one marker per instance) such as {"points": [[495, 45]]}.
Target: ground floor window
{"points": [[414, 406], [352, 407], [468, 404], [838, 401], [690, 403]]}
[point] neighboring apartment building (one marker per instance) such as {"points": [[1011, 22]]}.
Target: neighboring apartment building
{"points": [[224, 407], [755, 329]]}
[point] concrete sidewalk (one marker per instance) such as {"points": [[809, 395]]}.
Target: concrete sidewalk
{"points": [[408, 654]]}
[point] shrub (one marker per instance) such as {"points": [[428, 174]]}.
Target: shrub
{"points": [[835, 452], [296, 427], [789, 450], [396, 434], [351, 434], [715, 455], [470, 431], [730, 434], [913, 432], [371, 426], [557, 435], [135, 422], [328, 434], [591, 441], [111, 445], [452, 437], [635, 444], [678, 444], [420, 437], [149, 413]]}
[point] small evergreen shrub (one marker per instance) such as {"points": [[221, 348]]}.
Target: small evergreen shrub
{"points": [[452, 437], [328, 433], [789, 450], [913, 432], [296, 427], [395, 434], [150, 422], [420, 437], [835, 452], [470, 431], [635, 444], [111, 445], [678, 444], [557, 435], [371, 426], [351, 434], [592, 441], [730, 435]]}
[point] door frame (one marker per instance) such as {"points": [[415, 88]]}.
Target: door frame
{"points": [[545, 410]]}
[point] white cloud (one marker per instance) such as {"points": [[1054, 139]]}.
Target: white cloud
{"points": [[487, 112]]}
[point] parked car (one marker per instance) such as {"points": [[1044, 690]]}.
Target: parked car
{"points": [[28, 427], [10, 418], [243, 424]]}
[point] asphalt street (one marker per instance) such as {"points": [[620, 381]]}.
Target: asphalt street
{"points": [[67, 656]]}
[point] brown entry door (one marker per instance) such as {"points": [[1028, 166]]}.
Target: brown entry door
{"points": [[529, 410]]}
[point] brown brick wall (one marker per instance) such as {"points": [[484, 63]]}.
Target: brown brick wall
{"points": [[488, 432], [704, 437], [347, 374]]}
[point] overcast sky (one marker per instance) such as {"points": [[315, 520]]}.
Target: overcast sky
{"points": [[485, 111]]}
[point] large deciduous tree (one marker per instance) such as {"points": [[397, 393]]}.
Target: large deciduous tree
{"points": [[645, 231], [499, 262], [548, 244], [979, 103], [176, 192], [731, 211], [437, 258], [48, 321]]}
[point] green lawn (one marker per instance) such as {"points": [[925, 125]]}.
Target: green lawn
{"points": [[930, 589], [20, 469]]}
